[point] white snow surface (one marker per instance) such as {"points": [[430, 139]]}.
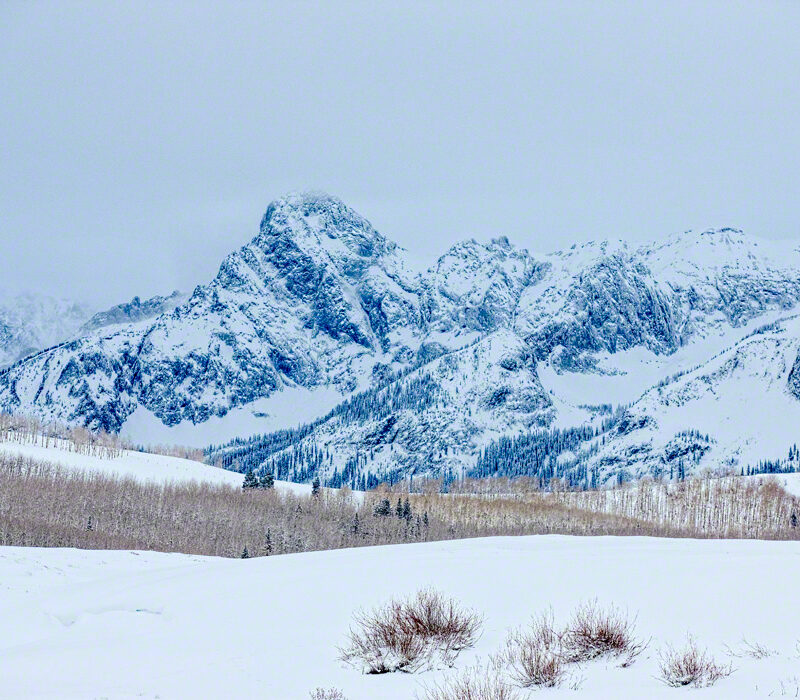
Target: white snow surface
{"points": [[286, 409], [739, 397], [120, 624]]}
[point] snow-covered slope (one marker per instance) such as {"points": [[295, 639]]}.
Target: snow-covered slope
{"points": [[315, 299], [142, 466], [566, 374], [729, 413], [119, 625], [320, 306], [431, 420], [31, 322]]}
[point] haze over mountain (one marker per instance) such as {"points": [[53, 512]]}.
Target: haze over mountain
{"points": [[30, 322], [491, 341]]}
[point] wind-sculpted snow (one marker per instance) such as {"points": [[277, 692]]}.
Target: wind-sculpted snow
{"points": [[505, 341]]}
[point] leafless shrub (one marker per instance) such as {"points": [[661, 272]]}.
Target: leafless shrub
{"points": [[595, 632], [790, 687], [473, 684], [576, 682], [405, 635], [378, 646], [433, 616], [534, 655], [539, 655], [690, 666], [632, 653], [326, 694], [753, 650]]}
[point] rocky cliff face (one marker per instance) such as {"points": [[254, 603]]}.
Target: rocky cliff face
{"points": [[319, 298], [476, 288]]}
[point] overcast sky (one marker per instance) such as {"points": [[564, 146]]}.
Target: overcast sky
{"points": [[141, 142]]}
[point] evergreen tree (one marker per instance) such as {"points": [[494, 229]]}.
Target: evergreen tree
{"points": [[398, 510], [407, 510], [245, 553], [382, 508], [356, 525], [267, 481], [268, 543], [250, 480], [315, 487]]}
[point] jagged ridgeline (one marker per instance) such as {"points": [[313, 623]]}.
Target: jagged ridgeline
{"points": [[433, 371]]}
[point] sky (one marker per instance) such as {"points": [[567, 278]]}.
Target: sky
{"points": [[141, 142]]}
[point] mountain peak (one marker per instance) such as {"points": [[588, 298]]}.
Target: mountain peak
{"points": [[316, 220], [331, 213]]}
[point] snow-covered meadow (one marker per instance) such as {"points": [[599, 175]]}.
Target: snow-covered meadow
{"points": [[100, 624], [135, 624]]}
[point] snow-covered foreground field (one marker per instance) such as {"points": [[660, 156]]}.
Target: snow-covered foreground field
{"points": [[98, 624]]}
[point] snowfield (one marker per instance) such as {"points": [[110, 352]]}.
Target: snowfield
{"points": [[119, 624]]}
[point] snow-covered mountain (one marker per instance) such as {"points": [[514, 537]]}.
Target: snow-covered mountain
{"points": [[133, 311], [318, 322], [732, 411], [31, 322]]}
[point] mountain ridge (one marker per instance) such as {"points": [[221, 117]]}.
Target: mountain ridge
{"points": [[319, 298]]}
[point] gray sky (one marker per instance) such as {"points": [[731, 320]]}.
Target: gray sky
{"points": [[141, 142]]}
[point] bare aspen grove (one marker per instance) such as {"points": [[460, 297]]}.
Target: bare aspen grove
{"points": [[701, 507], [45, 504], [24, 429]]}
